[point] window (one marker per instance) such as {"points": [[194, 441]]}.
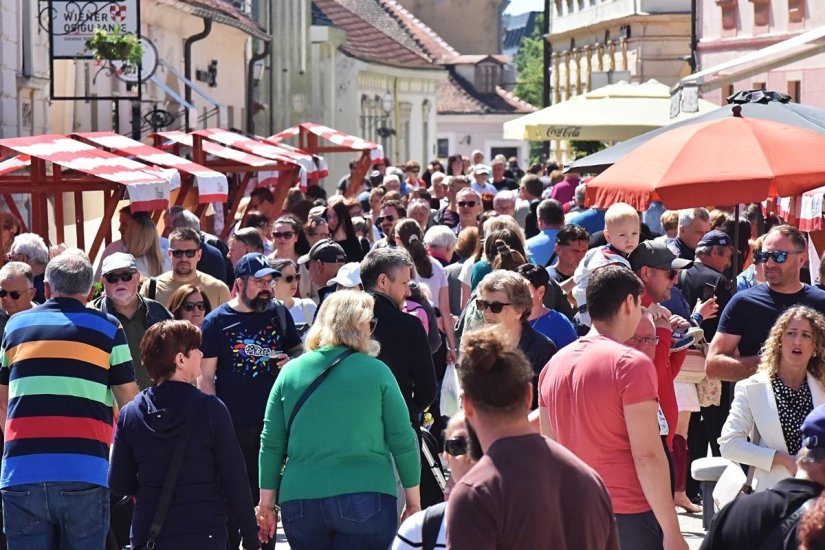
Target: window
{"points": [[729, 13], [761, 12], [486, 77], [796, 11], [443, 148], [758, 85], [795, 90]]}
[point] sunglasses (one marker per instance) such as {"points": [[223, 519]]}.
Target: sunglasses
{"points": [[495, 307], [671, 273], [652, 340], [284, 235], [290, 278], [179, 253], [381, 219], [112, 278], [778, 256], [373, 324], [15, 295], [455, 446], [192, 306], [466, 204]]}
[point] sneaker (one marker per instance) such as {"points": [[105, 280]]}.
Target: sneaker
{"points": [[685, 339]]}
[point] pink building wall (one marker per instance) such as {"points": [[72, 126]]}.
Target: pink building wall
{"points": [[718, 45]]}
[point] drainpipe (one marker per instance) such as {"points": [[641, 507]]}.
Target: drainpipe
{"points": [[250, 87], [187, 63]]}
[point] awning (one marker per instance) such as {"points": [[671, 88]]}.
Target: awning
{"points": [[147, 190], [793, 49], [14, 164], [216, 150], [212, 185], [338, 138], [261, 149]]}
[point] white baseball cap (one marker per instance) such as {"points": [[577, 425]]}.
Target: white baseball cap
{"points": [[348, 276]]}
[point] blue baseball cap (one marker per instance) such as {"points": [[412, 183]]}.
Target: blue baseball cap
{"points": [[813, 428], [715, 238], [254, 264]]}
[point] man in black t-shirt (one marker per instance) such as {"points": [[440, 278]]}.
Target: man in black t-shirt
{"points": [[245, 343], [749, 316]]}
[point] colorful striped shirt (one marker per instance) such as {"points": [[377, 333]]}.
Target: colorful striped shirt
{"points": [[60, 361]]}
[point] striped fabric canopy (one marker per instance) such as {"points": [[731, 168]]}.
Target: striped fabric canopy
{"points": [[334, 136], [147, 188]]}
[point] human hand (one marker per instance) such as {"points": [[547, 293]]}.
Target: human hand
{"points": [[281, 359], [267, 521], [707, 309], [451, 357], [678, 323], [409, 510], [786, 461], [658, 310]]}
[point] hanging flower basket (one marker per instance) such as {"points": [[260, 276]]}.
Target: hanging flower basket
{"points": [[116, 45]]}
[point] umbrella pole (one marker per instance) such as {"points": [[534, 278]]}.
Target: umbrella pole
{"points": [[735, 263]]}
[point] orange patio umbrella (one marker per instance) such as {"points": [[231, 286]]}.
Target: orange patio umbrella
{"points": [[722, 162]]}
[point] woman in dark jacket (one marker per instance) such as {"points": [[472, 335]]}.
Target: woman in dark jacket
{"points": [[342, 232], [212, 482]]}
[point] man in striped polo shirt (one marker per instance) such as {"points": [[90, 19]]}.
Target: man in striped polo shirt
{"points": [[61, 365]]}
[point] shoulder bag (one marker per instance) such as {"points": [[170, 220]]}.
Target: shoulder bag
{"points": [[314, 386], [170, 481]]}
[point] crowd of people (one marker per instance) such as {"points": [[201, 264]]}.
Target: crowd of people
{"points": [[304, 372]]}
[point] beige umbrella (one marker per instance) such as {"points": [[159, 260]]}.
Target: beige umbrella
{"points": [[612, 113]]}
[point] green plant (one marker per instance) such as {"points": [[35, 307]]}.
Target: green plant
{"points": [[116, 45]]}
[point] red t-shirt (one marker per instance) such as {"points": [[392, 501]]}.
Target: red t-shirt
{"points": [[584, 388]]}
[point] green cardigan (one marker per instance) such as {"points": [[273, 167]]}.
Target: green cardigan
{"points": [[343, 437]]}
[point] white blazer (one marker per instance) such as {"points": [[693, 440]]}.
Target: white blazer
{"points": [[754, 404]]}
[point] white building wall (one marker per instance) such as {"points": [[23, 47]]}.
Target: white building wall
{"points": [[466, 133]]}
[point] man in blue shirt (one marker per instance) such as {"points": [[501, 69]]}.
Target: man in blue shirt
{"points": [[550, 218]]}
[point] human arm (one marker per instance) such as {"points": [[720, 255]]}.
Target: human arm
{"points": [[446, 324], [401, 441], [652, 468], [210, 338], [125, 393], [425, 385], [123, 475], [270, 462], [544, 422], [4, 404], [738, 427], [206, 381], [721, 363]]}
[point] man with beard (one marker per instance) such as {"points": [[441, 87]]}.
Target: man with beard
{"points": [[246, 341], [184, 253]]}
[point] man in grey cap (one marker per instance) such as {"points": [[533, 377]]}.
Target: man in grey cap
{"points": [[120, 298], [246, 341], [323, 261]]}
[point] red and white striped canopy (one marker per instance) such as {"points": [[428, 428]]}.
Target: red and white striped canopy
{"points": [[147, 189], [336, 137], [303, 163], [14, 164], [212, 185], [805, 210], [212, 148], [319, 167]]}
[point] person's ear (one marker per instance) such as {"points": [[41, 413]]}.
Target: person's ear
{"points": [[47, 289], [466, 405], [540, 292]]}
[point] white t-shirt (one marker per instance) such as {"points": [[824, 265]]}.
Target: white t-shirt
{"points": [[435, 282], [466, 273], [409, 535]]}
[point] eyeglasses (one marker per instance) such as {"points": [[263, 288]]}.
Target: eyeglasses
{"points": [[289, 278], [16, 257], [373, 324], [652, 340], [466, 204], [179, 253], [381, 219], [192, 306], [495, 307], [284, 235], [671, 273], [112, 278], [263, 282], [455, 446], [778, 256], [15, 295]]}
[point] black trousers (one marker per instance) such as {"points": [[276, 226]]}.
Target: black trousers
{"points": [[249, 438]]}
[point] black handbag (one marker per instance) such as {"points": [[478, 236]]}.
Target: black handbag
{"points": [[169, 483]]}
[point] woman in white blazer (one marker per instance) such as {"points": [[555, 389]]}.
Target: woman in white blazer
{"points": [[788, 384]]}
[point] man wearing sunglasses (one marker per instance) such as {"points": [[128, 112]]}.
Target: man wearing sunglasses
{"points": [[16, 290], [185, 253], [748, 317], [469, 209], [120, 298]]}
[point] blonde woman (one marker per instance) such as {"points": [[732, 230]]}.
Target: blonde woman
{"points": [[774, 401], [144, 245], [338, 487]]}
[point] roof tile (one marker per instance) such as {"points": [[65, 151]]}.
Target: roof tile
{"points": [[457, 96]]}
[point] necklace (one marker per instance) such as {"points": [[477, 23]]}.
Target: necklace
{"points": [[544, 312]]}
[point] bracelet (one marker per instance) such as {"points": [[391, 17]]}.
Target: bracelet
{"points": [[275, 509]]}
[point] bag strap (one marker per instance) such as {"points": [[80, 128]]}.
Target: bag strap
{"points": [[171, 479], [312, 387], [153, 288], [280, 313], [433, 518], [781, 531]]}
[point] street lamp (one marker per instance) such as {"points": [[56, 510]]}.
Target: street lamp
{"points": [[387, 102]]}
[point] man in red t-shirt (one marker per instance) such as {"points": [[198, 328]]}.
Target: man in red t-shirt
{"points": [[598, 398]]}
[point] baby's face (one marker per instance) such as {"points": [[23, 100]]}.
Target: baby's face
{"points": [[623, 235]]}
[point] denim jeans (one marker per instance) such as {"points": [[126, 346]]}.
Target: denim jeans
{"points": [[355, 521], [67, 515]]}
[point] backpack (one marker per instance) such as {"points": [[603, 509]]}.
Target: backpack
{"points": [[433, 518]]}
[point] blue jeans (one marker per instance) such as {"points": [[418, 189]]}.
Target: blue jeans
{"points": [[57, 515], [356, 521]]}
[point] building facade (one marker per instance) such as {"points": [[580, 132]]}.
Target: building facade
{"points": [[470, 26], [731, 29]]}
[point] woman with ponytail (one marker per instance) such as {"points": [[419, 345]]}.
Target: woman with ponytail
{"points": [[542, 495], [429, 273], [503, 245]]}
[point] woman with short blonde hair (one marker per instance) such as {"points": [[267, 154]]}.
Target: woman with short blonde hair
{"points": [[338, 487]]}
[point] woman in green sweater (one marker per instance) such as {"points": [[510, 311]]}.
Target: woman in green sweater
{"points": [[337, 487]]}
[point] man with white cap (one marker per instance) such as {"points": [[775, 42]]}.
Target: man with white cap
{"points": [[120, 278], [348, 277], [480, 183], [246, 341]]}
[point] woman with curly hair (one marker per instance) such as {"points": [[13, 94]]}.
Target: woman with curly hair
{"points": [[769, 407]]}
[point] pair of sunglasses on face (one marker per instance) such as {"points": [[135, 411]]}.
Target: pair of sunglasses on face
{"points": [[778, 256], [179, 253], [192, 306], [290, 278], [466, 204], [124, 276], [15, 295], [455, 446], [495, 307], [285, 235]]}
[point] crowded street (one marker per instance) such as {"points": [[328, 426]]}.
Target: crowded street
{"points": [[404, 274]]}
